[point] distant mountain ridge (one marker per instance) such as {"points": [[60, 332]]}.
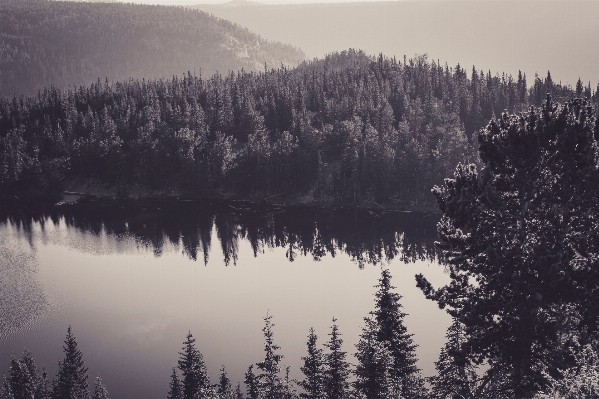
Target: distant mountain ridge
{"points": [[66, 44]]}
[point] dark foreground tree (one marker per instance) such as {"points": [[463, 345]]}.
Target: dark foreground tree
{"points": [[456, 376], [313, 370], [269, 382], [387, 350], [195, 382], [337, 369], [521, 241], [71, 378], [100, 391]]}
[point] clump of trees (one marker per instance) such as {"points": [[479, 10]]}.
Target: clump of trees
{"points": [[24, 380], [349, 129]]}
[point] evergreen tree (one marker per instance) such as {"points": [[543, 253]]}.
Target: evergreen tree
{"points": [[195, 376], [337, 370], [100, 391], [313, 369], [238, 394], [252, 383], [269, 381], [392, 332], [175, 390], [224, 389], [518, 237], [71, 378], [373, 371], [45, 387], [23, 384], [456, 375], [5, 389]]}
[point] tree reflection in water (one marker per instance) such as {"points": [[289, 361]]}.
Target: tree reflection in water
{"points": [[367, 236]]}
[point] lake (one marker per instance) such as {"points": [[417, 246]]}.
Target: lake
{"points": [[133, 277]]}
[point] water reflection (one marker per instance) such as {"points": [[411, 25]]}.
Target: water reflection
{"points": [[367, 236], [125, 276]]}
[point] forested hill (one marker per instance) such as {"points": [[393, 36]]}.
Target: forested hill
{"points": [[348, 129], [45, 43]]}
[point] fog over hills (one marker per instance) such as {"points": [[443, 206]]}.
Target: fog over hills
{"points": [[504, 36], [63, 44]]}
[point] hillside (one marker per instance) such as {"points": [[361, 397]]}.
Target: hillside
{"points": [[44, 43], [346, 129], [501, 35]]}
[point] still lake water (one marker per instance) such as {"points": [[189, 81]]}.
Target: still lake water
{"points": [[133, 278]]}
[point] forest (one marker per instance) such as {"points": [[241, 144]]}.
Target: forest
{"points": [[347, 129], [67, 44]]}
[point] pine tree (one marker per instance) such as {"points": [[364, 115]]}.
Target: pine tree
{"points": [[518, 237], [224, 389], [71, 378], [195, 375], [5, 390], [238, 393], [456, 375], [22, 381], [45, 387], [373, 371], [100, 391], [270, 383], [175, 390], [313, 369], [337, 370], [252, 383], [392, 332]]}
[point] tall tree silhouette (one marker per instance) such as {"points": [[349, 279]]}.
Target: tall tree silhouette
{"points": [[71, 378]]}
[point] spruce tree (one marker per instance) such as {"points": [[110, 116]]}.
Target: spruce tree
{"points": [[22, 381], [175, 390], [391, 331], [238, 393], [337, 370], [224, 388], [100, 391], [373, 371], [195, 376], [71, 378], [269, 381], [252, 383], [456, 376], [313, 369]]}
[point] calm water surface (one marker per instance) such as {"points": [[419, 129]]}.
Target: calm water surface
{"points": [[133, 278]]}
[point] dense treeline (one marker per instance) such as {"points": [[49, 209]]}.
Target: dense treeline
{"points": [[63, 44], [346, 129]]}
